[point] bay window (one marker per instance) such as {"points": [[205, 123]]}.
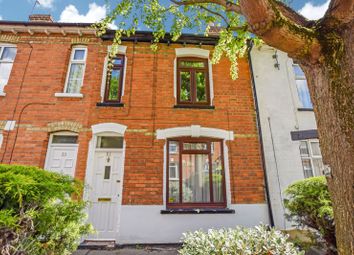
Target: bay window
{"points": [[195, 177], [311, 158]]}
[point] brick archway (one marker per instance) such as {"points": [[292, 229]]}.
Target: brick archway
{"points": [[64, 126]]}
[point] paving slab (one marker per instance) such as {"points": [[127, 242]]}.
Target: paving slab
{"points": [[129, 251]]}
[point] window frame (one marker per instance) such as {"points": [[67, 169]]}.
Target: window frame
{"points": [[193, 70], [310, 157], [181, 150], [301, 78], [71, 62], [121, 79], [2, 47]]}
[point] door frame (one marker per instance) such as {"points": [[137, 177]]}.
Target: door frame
{"points": [[50, 145], [104, 129]]}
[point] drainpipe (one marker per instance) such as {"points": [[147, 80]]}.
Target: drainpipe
{"points": [[271, 218]]}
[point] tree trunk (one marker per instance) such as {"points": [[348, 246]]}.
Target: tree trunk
{"points": [[332, 90]]}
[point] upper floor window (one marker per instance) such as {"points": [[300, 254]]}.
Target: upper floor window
{"points": [[76, 70], [302, 88], [7, 58], [114, 80], [193, 81], [311, 158], [195, 176]]}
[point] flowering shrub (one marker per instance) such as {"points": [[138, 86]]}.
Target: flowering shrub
{"points": [[37, 213], [239, 241]]}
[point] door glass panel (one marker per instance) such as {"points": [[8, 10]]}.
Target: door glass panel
{"points": [[67, 139], [110, 142], [201, 86], [173, 183], [218, 189], [195, 178], [185, 86], [114, 79], [195, 146], [107, 172]]}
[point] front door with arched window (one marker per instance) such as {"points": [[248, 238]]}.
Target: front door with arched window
{"points": [[62, 153]]}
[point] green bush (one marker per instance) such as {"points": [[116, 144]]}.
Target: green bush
{"points": [[37, 213], [309, 206], [239, 241]]}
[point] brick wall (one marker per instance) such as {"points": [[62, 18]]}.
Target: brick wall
{"points": [[40, 70]]}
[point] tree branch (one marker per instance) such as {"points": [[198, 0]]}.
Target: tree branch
{"points": [[215, 13], [229, 6], [291, 14], [281, 28], [339, 12]]}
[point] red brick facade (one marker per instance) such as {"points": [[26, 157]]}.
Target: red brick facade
{"points": [[40, 69]]}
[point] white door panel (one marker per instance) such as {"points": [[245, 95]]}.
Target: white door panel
{"points": [[104, 194], [62, 159]]}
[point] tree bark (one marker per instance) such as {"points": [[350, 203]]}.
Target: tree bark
{"points": [[331, 87], [328, 61]]}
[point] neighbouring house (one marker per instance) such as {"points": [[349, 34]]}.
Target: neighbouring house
{"points": [[165, 141], [288, 124]]}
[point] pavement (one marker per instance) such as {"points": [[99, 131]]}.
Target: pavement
{"points": [[130, 251]]}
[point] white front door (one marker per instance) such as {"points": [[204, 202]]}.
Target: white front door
{"points": [[62, 154], [104, 195]]}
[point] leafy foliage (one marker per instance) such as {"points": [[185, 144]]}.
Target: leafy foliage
{"points": [[258, 240], [37, 212], [161, 17], [309, 205]]}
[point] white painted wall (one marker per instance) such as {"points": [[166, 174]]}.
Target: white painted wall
{"points": [[145, 224], [278, 104]]}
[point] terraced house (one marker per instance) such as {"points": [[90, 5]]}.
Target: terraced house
{"points": [[165, 141]]}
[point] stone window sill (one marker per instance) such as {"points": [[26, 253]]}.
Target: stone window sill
{"points": [[2, 94], [109, 104], [69, 95], [194, 107], [198, 211]]}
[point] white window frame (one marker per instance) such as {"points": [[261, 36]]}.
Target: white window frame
{"points": [[198, 53], [72, 61], [311, 156], [1, 139], [175, 166], [301, 78], [2, 46]]}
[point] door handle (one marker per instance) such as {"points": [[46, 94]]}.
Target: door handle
{"points": [[118, 181]]}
